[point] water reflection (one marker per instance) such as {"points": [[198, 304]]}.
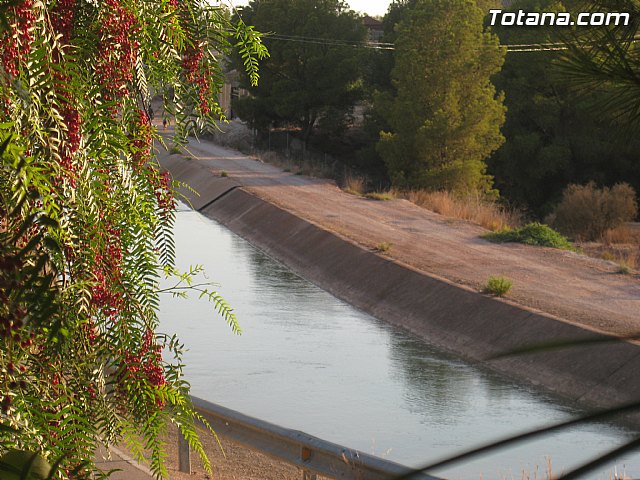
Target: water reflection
{"points": [[430, 382], [276, 275], [311, 362]]}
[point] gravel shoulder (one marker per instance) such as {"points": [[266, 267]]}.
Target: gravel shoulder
{"points": [[573, 287]]}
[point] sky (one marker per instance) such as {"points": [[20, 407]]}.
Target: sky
{"points": [[371, 7]]}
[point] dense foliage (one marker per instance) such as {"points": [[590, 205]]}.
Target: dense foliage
{"points": [[445, 116], [86, 217], [313, 74], [560, 126]]}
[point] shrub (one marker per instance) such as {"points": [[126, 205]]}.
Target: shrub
{"points": [[224, 174], [587, 212], [531, 234], [498, 286]]}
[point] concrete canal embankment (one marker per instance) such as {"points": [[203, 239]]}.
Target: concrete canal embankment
{"points": [[453, 317]]}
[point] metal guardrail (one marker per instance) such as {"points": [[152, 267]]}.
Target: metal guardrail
{"points": [[312, 455]]}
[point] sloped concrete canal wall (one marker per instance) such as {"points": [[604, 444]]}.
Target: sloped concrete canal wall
{"points": [[459, 320]]}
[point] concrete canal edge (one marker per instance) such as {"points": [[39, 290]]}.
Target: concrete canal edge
{"points": [[453, 317]]}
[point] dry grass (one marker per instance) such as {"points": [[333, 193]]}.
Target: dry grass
{"points": [[623, 235], [473, 208], [354, 185], [628, 261], [620, 245], [537, 473], [626, 256], [631, 259]]}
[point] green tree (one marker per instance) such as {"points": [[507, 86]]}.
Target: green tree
{"points": [[314, 71], [86, 218], [445, 117]]}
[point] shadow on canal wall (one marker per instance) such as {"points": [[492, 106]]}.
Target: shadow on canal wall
{"points": [[453, 317]]}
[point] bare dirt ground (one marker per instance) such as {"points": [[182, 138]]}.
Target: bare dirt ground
{"points": [[573, 287], [229, 461]]}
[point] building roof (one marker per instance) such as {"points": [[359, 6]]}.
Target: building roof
{"points": [[372, 23]]}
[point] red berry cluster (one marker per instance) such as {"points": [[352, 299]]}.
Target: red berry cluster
{"points": [[146, 365], [6, 403], [62, 16], [108, 273], [152, 353], [161, 182], [13, 384], [198, 75], [12, 327], [91, 332], [140, 139], [117, 51], [16, 44], [191, 63]]}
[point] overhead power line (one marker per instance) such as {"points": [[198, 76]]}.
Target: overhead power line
{"points": [[530, 47], [511, 48], [330, 42]]}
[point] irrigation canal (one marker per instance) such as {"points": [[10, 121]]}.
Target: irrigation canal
{"points": [[311, 362]]}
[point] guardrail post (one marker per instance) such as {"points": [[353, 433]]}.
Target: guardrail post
{"points": [[184, 454], [305, 455]]}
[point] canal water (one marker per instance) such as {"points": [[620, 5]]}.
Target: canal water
{"points": [[311, 362]]}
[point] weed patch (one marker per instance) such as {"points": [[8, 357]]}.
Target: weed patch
{"points": [[624, 269], [498, 286], [381, 196], [383, 247], [531, 234]]}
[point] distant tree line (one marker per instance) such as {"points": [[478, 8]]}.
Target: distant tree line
{"points": [[447, 108]]}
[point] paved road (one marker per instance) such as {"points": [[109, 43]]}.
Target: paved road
{"points": [[128, 468]]}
